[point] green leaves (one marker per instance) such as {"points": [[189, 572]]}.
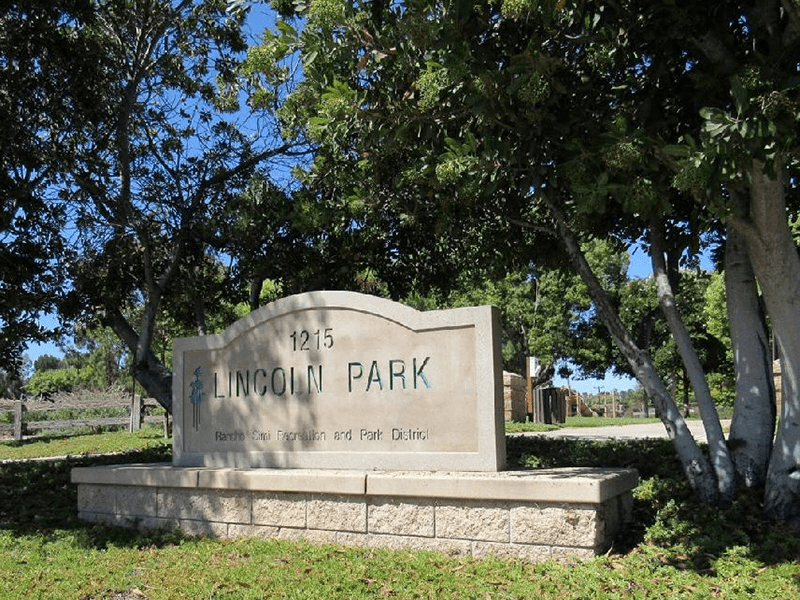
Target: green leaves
{"points": [[337, 107], [740, 97], [547, 10], [717, 123], [137, 106], [326, 14], [459, 162], [431, 83], [677, 150], [760, 124]]}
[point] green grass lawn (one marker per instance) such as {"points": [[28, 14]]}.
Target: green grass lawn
{"points": [[516, 427], [83, 441], [675, 548]]}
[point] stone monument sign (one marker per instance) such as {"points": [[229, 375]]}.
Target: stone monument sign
{"points": [[349, 419], [339, 380]]}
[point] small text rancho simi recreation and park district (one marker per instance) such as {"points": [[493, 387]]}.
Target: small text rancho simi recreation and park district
{"points": [[280, 436]]}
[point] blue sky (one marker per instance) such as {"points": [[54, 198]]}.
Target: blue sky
{"points": [[639, 267], [259, 18]]}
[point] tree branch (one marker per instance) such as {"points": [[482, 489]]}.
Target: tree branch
{"points": [[695, 465], [720, 455]]}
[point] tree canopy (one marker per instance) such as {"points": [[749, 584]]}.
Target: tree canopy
{"points": [[139, 166], [453, 141], [573, 120], [46, 66]]}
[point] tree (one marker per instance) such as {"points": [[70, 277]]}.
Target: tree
{"points": [[151, 180], [47, 65], [10, 384], [95, 359], [577, 118], [716, 323], [404, 103], [705, 318], [46, 362], [745, 83], [545, 311]]}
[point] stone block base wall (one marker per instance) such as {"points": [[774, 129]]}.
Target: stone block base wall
{"points": [[533, 516], [514, 397]]}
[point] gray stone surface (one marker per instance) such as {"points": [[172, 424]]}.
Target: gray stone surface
{"points": [[404, 542], [204, 528], [285, 480], [483, 521], [152, 474], [283, 510], [343, 380], [401, 516], [265, 532], [530, 528], [546, 485], [205, 505], [337, 513], [556, 526], [573, 485], [97, 498], [140, 501]]}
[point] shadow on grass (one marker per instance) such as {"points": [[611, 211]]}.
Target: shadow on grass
{"points": [[652, 457], [37, 499], [666, 513], [47, 436]]}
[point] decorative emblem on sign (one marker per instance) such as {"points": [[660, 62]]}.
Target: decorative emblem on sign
{"points": [[196, 397]]}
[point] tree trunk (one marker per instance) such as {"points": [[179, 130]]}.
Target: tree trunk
{"points": [[753, 424], [696, 465], [256, 285], [720, 456], [686, 383], [200, 315], [157, 380], [154, 377], [776, 265]]}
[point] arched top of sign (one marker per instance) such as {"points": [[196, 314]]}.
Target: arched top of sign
{"points": [[400, 314]]}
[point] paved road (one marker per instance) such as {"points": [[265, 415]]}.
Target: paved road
{"points": [[622, 432]]}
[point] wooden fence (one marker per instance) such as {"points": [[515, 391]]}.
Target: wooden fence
{"points": [[136, 411]]}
